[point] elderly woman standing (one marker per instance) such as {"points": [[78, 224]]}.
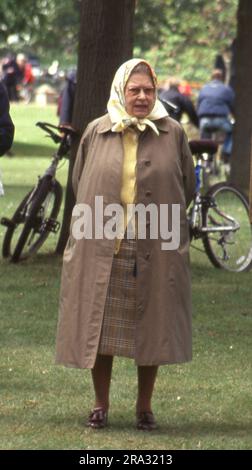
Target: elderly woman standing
{"points": [[128, 296]]}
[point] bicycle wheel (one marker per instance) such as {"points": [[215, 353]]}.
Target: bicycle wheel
{"points": [[229, 244], [40, 213], [14, 227]]}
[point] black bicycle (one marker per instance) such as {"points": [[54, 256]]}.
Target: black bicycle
{"points": [[220, 217], [36, 216]]}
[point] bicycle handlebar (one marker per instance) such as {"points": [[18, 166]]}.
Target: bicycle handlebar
{"points": [[46, 126], [57, 138]]}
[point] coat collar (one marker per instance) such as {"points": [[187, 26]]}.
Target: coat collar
{"points": [[105, 124], [163, 124]]}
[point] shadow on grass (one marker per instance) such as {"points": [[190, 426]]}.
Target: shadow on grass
{"points": [[24, 149], [42, 259], [38, 260], [197, 428], [192, 428], [72, 432]]}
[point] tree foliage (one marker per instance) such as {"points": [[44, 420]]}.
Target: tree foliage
{"points": [[41, 25], [23, 18], [191, 33], [150, 19], [181, 36]]}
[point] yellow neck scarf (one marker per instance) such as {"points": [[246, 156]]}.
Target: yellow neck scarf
{"points": [[139, 123]]}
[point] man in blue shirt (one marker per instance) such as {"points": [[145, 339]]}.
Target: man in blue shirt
{"points": [[215, 104]]}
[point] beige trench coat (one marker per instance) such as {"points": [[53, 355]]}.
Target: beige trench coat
{"points": [[165, 174]]}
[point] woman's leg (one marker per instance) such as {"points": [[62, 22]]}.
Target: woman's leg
{"points": [[146, 381], [101, 375]]}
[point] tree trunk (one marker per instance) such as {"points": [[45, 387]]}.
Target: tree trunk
{"points": [[250, 185], [105, 42], [243, 89]]}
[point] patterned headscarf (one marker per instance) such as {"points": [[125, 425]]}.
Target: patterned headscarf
{"points": [[116, 104]]}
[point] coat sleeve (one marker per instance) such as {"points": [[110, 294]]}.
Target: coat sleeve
{"points": [[80, 160], [188, 171], [6, 124]]}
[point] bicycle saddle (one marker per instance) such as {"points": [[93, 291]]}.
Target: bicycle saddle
{"points": [[203, 146]]}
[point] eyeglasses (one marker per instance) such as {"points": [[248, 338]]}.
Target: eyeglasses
{"points": [[135, 91]]}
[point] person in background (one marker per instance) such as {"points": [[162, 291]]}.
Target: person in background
{"points": [[10, 74], [233, 53], [6, 124], [125, 295], [219, 63], [6, 127], [185, 88], [26, 76], [66, 100], [214, 108], [183, 102], [25, 79]]}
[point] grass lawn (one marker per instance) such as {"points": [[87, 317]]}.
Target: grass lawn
{"points": [[205, 404]]}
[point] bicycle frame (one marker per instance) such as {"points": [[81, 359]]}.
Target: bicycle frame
{"points": [[49, 172], [199, 202]]}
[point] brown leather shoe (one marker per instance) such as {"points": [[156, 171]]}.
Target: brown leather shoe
{"points": [[98, 418], [146, 421]]}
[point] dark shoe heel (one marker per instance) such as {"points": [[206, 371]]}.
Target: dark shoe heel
{"points": [[98, 418], [146, 421]]}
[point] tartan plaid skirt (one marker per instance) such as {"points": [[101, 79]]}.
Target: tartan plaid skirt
{"points": [[119, 321]]}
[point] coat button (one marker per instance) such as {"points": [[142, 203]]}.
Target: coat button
{"points": [[148, 193], [147, 255], [147, 162]]}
